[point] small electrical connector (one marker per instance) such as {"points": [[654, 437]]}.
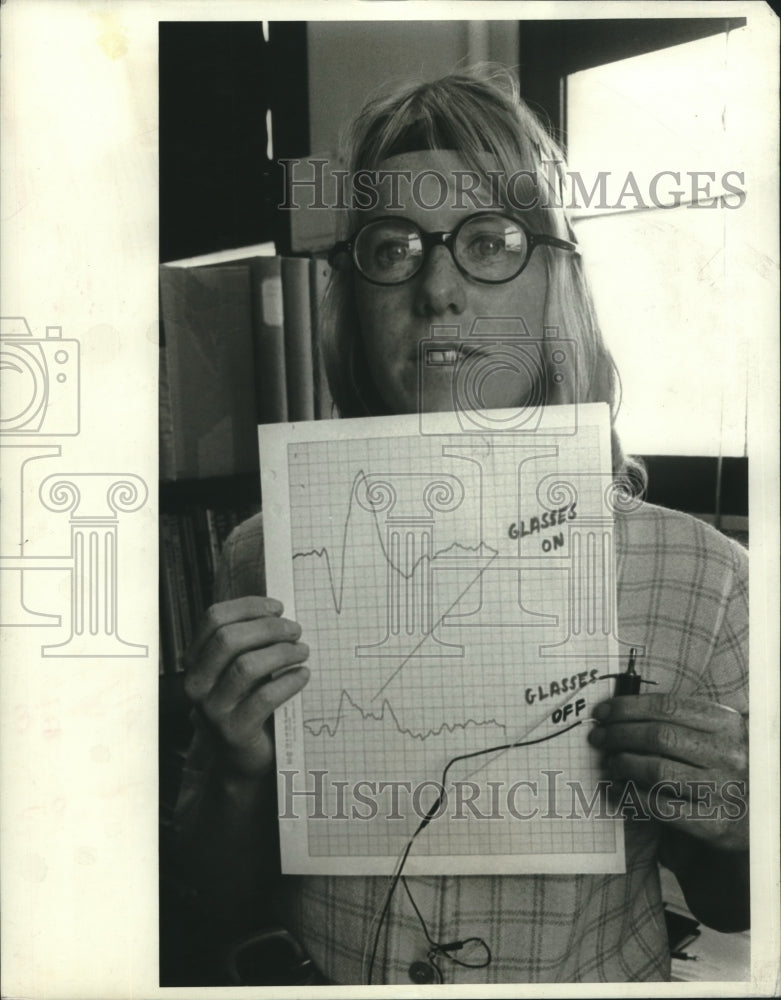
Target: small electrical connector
{"points": [[629, 682]]}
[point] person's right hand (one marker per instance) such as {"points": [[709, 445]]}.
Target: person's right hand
{"points": [[229, 667]]}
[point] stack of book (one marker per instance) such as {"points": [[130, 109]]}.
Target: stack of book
{"points": [[239, 348], [190, 545]]}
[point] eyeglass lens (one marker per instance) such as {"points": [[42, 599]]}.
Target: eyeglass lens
{"points": [[488, 247]]}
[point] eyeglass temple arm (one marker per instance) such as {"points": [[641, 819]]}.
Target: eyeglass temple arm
{"points": [[343, 246], [554, 241]]}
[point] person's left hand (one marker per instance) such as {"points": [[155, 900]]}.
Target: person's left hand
{"points": [[687, 759]]}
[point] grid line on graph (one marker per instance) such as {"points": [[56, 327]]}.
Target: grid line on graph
{"points": [[434, 632]]}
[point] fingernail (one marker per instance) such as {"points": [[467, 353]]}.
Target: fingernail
{"points": [[275, 606], [601, 712], [597, 736], [292, 628]]}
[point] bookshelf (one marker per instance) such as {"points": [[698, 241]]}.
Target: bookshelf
{"points": [[224, 366], [237, 349]]}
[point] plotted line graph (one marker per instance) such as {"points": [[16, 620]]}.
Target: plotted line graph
{"points": [[389, 547], [323, 552], [337, 592], [316, 726]]}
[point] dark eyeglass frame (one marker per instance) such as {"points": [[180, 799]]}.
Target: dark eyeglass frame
{"points": [[447, 239]]}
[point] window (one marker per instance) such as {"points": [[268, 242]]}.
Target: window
{"points": [[670, 127]]}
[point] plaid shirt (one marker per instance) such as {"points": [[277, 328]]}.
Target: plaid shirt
{"points": [[682, 593]]}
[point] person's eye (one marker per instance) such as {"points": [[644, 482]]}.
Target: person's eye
{"points": [[483, 246], [391, 253]]}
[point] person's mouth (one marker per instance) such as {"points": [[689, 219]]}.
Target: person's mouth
{"points": [[448, 354]]}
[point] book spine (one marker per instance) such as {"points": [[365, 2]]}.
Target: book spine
{"points": [[167, 450], [180, 583], [214, 539], [319, 276], [224, 522], [192, 567], [298, 339], [167, 645], [269, 340], [171, 627], [207, 318], [203, 554]]}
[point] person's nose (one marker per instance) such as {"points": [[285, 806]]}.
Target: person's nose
{"points": [[440, 288]]}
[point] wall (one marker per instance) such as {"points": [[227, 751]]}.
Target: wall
{"points": [[348, 60]]}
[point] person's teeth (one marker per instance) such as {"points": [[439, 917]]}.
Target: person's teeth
{"points": [[442, 356]]}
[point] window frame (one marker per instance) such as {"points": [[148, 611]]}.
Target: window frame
{"points": [[549, 51]]}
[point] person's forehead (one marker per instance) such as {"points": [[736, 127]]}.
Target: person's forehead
{"points": [[448, 161], [433, 187]]}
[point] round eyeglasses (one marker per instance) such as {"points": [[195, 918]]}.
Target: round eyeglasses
{"points": [[488, 247]]}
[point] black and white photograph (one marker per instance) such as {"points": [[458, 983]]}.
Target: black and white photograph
{"points": [[389, 409]]}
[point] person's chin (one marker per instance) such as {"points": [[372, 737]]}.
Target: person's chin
{"points": [[435, 397], [437, 404], [407, 395]]}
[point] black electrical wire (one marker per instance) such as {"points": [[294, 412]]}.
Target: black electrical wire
{"points": [[442, 949], [445, 948]]}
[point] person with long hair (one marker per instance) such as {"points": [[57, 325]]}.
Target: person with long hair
{"points": [[455, 214]]}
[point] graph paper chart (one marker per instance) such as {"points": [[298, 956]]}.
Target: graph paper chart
{"points": [[457, 591]]}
